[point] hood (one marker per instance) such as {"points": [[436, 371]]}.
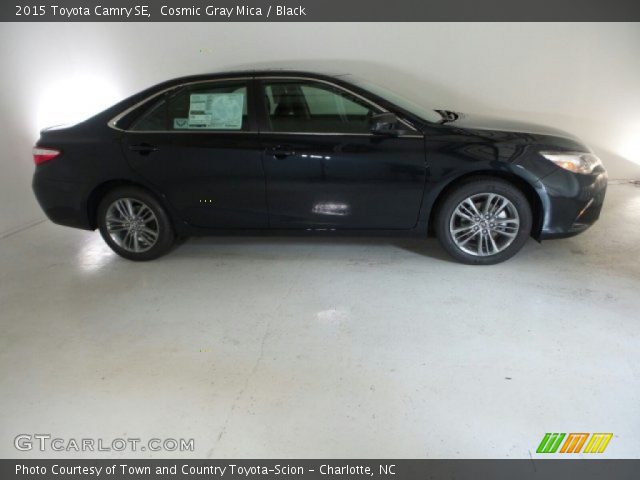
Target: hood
{"points": [[481, 122]]}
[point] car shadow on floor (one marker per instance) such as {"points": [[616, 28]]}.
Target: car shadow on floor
{"points": [[429, 248]]}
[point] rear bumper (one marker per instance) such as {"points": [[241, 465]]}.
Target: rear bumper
{"points": [[63, 202], [572, 202]]}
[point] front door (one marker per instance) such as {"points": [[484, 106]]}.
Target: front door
{"points": [[323, 167]]}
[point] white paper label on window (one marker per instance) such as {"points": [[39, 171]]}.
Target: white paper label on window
{"points": [[221, 111]]}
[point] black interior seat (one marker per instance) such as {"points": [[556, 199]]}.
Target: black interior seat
{"points": [[290, 102]]}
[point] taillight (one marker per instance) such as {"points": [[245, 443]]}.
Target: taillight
{"points": [[41, 155]]}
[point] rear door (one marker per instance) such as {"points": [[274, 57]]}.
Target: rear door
{"points": [[324, 169], [198, 145]]}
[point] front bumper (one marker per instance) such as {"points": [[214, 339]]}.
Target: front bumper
{"points": [[571, 202]]}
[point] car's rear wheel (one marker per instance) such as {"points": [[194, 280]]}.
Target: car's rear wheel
{"points": [[134, 224], [483, 221]]}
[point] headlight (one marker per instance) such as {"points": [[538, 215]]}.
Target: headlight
{"points": [[578, 162]]}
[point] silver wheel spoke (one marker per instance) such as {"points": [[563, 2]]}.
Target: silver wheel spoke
{"points": [[127, 239], [148, 238], [464, 212], [508, 227], [113, 218], [499, 208], [116, 223], [470, 203], [462, 229], [149, 235], [122, 209], [145, 214], [506, 233], [488, 203], [464, 239], [129, 206], [149, 231], [480, 244], [494, 246]]}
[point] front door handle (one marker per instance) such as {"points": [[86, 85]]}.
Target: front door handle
{"points": [[281, 152], [143, 148]]}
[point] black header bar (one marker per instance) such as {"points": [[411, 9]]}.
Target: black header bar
{"points": [[318, 10]]}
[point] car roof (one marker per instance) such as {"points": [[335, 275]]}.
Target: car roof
{"points": [[275, 72], [334, 78]]}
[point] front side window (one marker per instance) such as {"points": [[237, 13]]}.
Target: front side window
{"points": [[216, 106], [305, 106]]}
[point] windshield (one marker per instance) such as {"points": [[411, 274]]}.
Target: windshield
{"points": [[426, 113]]}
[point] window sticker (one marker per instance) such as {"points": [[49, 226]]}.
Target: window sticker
{"points": [[220, 111]]}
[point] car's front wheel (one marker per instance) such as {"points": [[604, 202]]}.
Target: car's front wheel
{"points": [[483, 221], [134, 224]]}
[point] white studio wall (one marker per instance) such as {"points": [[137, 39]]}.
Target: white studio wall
{"points": [[582, 78]]}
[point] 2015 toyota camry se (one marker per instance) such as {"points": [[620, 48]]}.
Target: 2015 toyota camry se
{"points": [[286, 151]]}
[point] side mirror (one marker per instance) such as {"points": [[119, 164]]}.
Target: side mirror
{"points": [[384, 124]]}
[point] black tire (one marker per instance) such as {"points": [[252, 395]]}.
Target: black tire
{"points": [[160, 223], [482, 188]]}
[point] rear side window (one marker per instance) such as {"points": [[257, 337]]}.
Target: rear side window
{"points": [[217, 106]]}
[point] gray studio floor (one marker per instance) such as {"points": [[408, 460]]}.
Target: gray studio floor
{"points": [[297, 347]]}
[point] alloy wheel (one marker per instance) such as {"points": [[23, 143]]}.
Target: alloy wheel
{"points": [[484, 224], [132, 225]]}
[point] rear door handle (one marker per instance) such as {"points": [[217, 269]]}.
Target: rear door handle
{"points": [[281, 152], [143, 148]]}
